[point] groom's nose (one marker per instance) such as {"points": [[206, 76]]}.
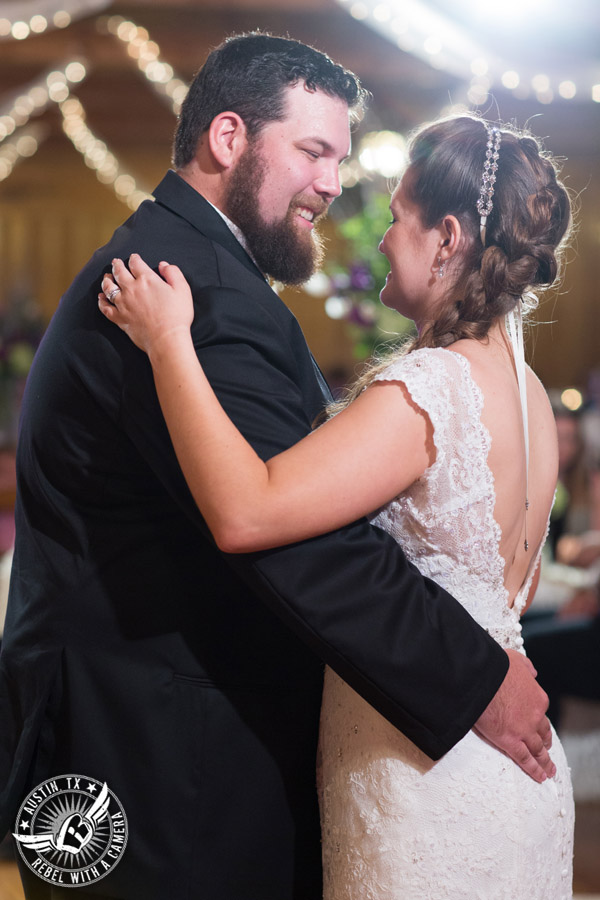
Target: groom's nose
{"points": [[327, 182]]}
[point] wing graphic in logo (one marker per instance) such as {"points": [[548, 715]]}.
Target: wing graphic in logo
{"points": [[75, 832], [97, 810], [39, 842]]}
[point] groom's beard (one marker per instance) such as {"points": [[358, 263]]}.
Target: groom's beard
{"points": [[280, 249]]}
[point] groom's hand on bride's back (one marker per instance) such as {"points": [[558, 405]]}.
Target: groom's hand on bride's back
{"points": [[515, 721]]}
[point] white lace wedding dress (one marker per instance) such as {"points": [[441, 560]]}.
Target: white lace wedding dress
{"points": [[472, 826]]}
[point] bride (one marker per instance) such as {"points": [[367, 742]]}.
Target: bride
{"points": [[450, 447]]}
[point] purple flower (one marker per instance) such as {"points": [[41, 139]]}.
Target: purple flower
{"points": [[360, 277]]}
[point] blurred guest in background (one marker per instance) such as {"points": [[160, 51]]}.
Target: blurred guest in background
{"points": [[562, 630], [565, 650], [577, 506]]}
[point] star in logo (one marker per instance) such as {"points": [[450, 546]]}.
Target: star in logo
{"points": [[71, 829], [76, 830]]}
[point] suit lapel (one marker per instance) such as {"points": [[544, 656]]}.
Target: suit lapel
{"points": [[325, 389]]}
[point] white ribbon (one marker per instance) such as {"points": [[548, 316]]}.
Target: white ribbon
{"points": [[514, 328]]}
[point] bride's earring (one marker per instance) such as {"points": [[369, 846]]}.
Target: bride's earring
{"points": [[441, 266]]}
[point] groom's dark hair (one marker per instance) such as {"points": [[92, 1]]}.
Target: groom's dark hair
{"points": [[247, 74]]}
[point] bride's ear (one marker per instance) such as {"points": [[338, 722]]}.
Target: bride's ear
{"points": [[227, 138], [450, 234]]}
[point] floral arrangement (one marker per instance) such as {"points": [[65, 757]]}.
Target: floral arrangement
{"points": [[357, 279]]}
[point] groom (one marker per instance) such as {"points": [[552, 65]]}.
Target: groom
{"points": [[135, 652]]}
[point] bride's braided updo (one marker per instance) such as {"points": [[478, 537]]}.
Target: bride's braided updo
{"points": [[529, 220], [524, 232]]}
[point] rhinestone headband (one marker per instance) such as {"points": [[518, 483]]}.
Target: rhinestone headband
{"points": [[490, 166]]}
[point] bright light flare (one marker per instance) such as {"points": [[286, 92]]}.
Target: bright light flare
{"points": [[572, 398], [383, 153]]}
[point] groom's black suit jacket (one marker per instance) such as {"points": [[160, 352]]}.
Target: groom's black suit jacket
{"points": [[138, 654]]}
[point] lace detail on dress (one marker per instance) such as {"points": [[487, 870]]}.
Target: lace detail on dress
{"points": [[445, 521], [472, 825]]}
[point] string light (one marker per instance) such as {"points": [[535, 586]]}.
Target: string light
{"points": [[382, 153], [359, 11], [382, 12], [53, 87], [49, 87], [19, 147], [424, 31], [29, 17], [511, 79], [351, 173], [478, 91], [97, 156], [146, 53], [572, 398], [567, 89]]}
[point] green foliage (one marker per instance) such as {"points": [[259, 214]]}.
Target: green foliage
{"points": [[359, 276], [364, 232]]}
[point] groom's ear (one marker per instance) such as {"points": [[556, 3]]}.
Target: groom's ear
{"points": [[227, 138]]}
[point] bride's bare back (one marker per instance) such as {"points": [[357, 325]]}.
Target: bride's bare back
{"points": [[502, 416], [394, 822]]}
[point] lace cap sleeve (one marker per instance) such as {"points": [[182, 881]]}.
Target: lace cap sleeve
{"points": [[439, 382]]}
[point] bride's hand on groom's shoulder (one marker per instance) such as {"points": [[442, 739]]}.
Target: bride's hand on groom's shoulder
{"points": [[153, 310], [515, 720]]}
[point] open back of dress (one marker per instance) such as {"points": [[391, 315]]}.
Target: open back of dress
{"points": [[472, 825]]}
